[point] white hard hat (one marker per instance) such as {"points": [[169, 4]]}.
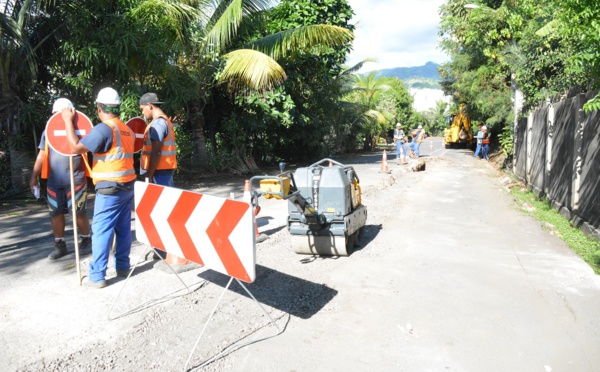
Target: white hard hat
{"points": [[398, 125], [420, 127], [108, 96], [484, 127], [60, 104]]}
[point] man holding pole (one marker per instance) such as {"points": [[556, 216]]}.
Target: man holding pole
{"points": [[112, 144], [56, 169]]}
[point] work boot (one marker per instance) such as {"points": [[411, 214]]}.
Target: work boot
{"points": [[85, 246], [60, 250]]}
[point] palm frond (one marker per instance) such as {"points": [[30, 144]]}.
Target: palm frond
{"points": [[378, 116], [282, 43], [358, 66], [224, 27], [176, 14], [249, 69]]}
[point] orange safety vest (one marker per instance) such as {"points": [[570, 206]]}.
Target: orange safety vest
{"points": [[168, 153], [420, 136], [46, 163], [117, 163]]}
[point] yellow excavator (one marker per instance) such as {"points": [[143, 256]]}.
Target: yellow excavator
{"points": [[460, 133]]}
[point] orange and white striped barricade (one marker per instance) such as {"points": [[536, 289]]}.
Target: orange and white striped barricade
{"points": [[212, 231]]}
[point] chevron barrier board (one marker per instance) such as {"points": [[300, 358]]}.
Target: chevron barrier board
{"points": [[215, 232]]}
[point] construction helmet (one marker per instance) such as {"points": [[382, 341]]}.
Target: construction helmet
{"points": [[484, 127], [108, 96], [60, 104]]}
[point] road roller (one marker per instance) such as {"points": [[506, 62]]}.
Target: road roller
{"points": [[326, 215]]}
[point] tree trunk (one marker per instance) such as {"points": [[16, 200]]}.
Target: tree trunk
{"points": [[200, 155]]}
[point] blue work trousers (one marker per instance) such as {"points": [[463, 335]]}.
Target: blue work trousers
{"points": [[112, 214], [478, 149], [400, 147], [415, 147], [165, 179], [485, 151]]}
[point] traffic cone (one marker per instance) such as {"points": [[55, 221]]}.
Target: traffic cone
{"points": [[402, 159], [174, 260], [247, 195], [259, 237], [248, 198], [384, 163], [330, 164]]}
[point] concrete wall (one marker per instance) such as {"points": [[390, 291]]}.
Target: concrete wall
{"points": [[557, 154], [537, 150], [520, 148]]}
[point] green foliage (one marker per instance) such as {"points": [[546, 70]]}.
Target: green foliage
{"points": [[506, 139], [436, 119], [185, 145]]}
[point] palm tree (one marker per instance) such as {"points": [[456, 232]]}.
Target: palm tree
{"points": [[366, 91], [17, 74], [254, 66]]}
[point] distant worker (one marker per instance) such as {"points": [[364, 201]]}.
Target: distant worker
{"points": [[56, 168], [485, 141], [112, 144], [159, 152], [479, 141], [416, 142], [400, 140]]}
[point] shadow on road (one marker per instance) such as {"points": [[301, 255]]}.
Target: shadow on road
{"points": [[369, 234], [290, 294]]}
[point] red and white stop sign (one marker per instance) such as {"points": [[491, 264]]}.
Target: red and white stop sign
{"points": [[138, 126], [56, 134]]}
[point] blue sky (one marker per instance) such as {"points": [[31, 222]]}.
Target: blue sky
{"points": [[398, 33]]}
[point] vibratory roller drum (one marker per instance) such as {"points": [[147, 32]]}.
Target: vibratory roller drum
{"points": [[331, 218]]}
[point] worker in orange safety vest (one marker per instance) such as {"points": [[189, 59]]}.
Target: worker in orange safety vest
{"points": [[112, 144], [159, 152], [55, 168]]}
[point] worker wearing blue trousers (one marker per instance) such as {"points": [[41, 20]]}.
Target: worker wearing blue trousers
{"points": [[112, 144]]}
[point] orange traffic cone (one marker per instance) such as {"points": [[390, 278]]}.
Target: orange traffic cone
{"points": [[174, 260], [247, 195], [402, 159], [259, 237], [330, 164], [384, 163]]}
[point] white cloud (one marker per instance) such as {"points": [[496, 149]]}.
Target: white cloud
{"points": [[398, 33]]}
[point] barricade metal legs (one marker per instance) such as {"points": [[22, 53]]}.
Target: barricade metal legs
{"points": [[238, 344], [131, 273]]}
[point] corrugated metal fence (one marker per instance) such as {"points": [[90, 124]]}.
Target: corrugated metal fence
{"points": [[557, 154]]}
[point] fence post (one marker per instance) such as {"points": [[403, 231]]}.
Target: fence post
{"points": [[577, 154], [549, 144], [528, 164]]}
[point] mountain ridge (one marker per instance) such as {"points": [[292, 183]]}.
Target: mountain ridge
{"points": [[418, 77]]}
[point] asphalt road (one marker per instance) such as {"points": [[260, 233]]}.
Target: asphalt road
{"points": [[451, 276]]}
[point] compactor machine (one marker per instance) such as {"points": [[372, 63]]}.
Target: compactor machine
{"points": [[460, 130], [325, 212]]}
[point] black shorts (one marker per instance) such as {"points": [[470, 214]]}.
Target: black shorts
{"points": [[59, 199]]}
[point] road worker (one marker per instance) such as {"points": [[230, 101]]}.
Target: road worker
{"points": [[112, 144], [159, 155], [56, 169]]}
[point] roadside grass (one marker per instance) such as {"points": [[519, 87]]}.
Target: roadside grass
{"points": [[586, 247]]}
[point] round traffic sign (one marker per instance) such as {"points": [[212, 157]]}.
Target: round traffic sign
{"points": [[138, 126], [56, 135]]}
